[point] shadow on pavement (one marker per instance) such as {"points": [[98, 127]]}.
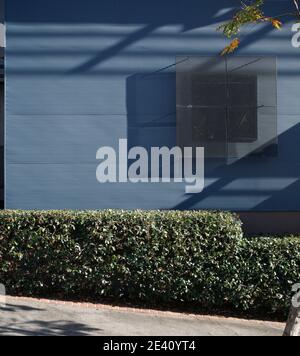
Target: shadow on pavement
{"points": [[38, 327], [49, 328]]}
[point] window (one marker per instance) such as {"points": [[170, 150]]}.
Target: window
{"points": [[227, 105]]}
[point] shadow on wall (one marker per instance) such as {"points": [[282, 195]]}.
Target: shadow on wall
{"points": [[151, 105], [151, 108], [151, 98], [155, 13], [132, 12], [152, 14], [277, 182]]}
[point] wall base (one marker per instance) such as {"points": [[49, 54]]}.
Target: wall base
{"points": [[270, 222]]}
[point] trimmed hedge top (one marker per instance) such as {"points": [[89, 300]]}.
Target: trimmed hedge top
{"points": [[153, 256]]}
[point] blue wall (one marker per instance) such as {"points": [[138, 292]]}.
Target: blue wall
{"points": [[76, 80]]}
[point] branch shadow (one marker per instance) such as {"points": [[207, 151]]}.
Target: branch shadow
{"points": [[13, 308], [11, 323], [48, 328]]}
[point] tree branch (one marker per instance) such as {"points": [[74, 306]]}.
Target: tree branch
{"points": [[251, 13]]}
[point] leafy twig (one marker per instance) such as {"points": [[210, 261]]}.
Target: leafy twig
{"points": [[251, 13]]}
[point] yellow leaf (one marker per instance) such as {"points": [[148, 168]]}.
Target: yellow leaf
{"points": [[277, 24], [231, 47]]}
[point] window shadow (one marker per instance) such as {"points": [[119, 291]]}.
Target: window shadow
{"points": [[151, 106]]}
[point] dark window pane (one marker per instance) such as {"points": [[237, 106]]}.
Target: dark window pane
{"points": [[208, 90], [242, 125], [209, 125]]}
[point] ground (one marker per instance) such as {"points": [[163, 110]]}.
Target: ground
{"points": [[31, 317]]}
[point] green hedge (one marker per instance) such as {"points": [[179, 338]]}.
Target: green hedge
{"points": [[152, 257]]}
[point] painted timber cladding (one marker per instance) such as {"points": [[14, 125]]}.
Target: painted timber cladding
{"points": [[76, 80]]}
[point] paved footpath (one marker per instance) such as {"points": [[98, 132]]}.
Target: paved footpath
{"points": [[32, 317]]}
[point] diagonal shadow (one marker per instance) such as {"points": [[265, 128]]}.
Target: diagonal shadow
{"points": [[244, 169], [113, 50], [189, 22]]}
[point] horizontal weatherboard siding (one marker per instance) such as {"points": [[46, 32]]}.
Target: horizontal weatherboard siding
{"points": [[82, 75]]}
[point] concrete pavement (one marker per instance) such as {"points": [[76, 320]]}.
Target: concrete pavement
{"points": [[30, 317]]}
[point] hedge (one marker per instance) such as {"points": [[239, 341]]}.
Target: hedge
{"points": [[152, 257]]}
